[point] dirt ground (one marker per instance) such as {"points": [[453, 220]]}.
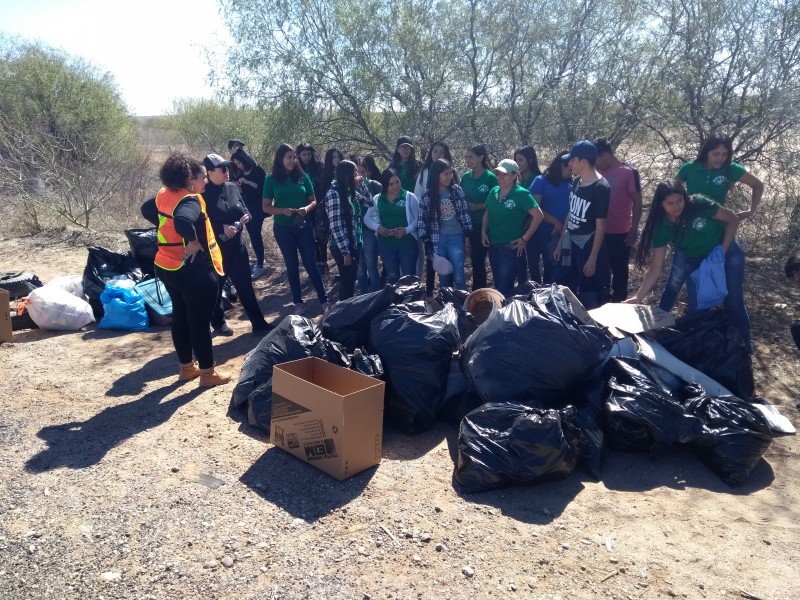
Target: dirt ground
{"points": [[117, 482]]}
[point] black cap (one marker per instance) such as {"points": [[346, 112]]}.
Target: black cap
{"points": [[234, 142], [215, 161], [404, 139]]}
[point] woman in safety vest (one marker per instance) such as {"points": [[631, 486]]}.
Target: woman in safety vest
{"points": [[188, 262]]}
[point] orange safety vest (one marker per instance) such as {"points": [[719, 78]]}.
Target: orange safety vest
{"points": [[171, 245]]}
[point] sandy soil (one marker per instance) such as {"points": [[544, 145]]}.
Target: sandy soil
{"points": [[117, 482]]}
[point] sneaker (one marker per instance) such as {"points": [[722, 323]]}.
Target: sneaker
{"points": [[211, 377], [299, 308], [257, 272], [188, 372], [224, 329]]}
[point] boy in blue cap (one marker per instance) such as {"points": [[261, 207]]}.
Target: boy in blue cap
{"points": [[581, 250]]}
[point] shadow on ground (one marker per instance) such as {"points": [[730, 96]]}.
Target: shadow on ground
{"points": [[80, 444]]}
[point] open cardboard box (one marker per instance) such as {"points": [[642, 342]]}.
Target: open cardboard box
{"points": [[5, 316], [624, 319], [328, 416]]}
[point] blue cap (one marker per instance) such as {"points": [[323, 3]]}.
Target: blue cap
{"points": [[583, 149]]}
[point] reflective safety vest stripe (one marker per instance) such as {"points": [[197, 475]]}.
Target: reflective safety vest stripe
{"points": [[171, 245]]}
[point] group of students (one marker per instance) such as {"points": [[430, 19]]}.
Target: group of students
{"points": [[574, 224]]}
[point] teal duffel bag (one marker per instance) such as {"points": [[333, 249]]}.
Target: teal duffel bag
{"points": [[157, 301]]}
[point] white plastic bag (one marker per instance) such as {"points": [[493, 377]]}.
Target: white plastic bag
{"points": [[70, 283], [52, 307]]}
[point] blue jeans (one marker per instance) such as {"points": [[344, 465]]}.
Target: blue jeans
{"points": [[291, 240], [505, 266], [347, 275], [399, 258], [451, 247], [734, 279], [369, 279], [591, 291], [542, 245], [675, 280]]}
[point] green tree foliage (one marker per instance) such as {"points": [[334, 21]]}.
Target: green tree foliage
{"points": [[67, 142], [518, 72]]}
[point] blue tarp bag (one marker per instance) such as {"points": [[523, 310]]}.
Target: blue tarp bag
{"points": [[124, 307], [709, 278]]}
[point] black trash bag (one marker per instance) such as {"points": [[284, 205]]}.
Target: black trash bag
{"points": [[711, 342], [409, 289], [503, 444], [552, 300], [348, 321], [144, 245], [587, 399], [734, 434], [294, 338], [416, 351], [522, 351], [102, 266], [452, 295], [639, 415], [366, 364]]}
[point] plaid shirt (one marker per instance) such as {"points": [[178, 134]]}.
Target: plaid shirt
{"points": [[428, 227], [344, 233]]}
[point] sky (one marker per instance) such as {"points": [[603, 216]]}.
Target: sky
{"points": [[130, 40]]}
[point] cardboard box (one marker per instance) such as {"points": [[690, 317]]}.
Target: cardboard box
{"points": [[5, 316], [623, 319], [577, 308], [328, 416]]}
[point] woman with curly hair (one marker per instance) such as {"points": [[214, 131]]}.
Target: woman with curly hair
{"points": [[289, 196], [188, 261]]}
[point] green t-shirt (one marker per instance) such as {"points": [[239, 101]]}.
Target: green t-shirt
{"points": [[476, 189], [712, 183], [392, 215], [526, 183], [288, 195], [406, 179], [507, 215], [698, 232]]}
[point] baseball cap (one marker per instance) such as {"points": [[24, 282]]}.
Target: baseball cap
{"points": [[583, 149], [215, 161], [441, 265], [404, 140], [507, 166]]}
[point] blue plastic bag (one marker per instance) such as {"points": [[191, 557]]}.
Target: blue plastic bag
{"points": [[124, 308], [709, 278]]}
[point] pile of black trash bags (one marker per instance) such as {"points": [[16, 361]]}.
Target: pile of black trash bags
{"points": [[535, 392]]}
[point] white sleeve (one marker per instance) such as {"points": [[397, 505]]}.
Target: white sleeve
{"points": [[371, 218], [412, 213]]}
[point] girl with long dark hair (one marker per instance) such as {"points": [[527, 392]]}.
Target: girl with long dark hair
{"points": [[695, 225], [343, 208], [289, 196], [444, 220], [477, 183], [368, 276], [394, 219], [551, 191], [713, 174], [250, 182], [405, 163], [528, 163]]}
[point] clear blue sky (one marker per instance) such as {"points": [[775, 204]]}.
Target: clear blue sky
{"points": [[127, 39]]}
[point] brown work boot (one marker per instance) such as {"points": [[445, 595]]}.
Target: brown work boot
{"points": [[188, 372], [211, 377]]}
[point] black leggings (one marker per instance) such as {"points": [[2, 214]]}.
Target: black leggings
{"points": [[236, 263], [477, 252], [254, 226], [193, 289]]}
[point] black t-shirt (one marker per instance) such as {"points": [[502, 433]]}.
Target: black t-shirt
{"points": [[587, 204], [251, 187]]}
